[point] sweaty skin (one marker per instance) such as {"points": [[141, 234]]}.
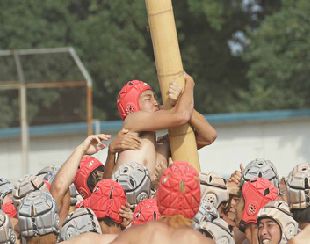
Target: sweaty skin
{"points": [[150, 118]]}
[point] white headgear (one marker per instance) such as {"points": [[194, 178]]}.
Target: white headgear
{"points": [[38, 215], [261, 168], [135, 180], [81, 221], [213, 192], [280, 212], [5, 188], [25, 186], [298, 186], [219, 231], [7, 234]]}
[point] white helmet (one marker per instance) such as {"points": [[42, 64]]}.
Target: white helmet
{"points": [[81, 221], [298, 186], [213, 192], [25, 186], [280, 212], [38, 215], [5, 188], [7, 234], [261, 168], [48, 173], [135, 180], [219, 231]]}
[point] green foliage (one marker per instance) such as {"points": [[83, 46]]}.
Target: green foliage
{"points": [[279, 60], [113, 41]]}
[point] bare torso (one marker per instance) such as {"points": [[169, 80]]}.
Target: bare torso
{"points": [[146, 155]]}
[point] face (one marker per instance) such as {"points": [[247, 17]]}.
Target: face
{"points": [[268, 231], [148, 102]]}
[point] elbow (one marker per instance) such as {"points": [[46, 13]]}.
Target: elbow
{"points": [[183, 118], [211, 138]]}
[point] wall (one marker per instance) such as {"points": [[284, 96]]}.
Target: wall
{"points": [[283, 142]]}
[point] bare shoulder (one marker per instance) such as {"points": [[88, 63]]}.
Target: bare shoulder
{"points": [[90, 238]]}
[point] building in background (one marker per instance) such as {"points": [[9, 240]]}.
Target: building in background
{"points": [[281, 136]]}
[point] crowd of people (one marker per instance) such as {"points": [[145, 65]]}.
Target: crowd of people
{"points": [[140, 195]]}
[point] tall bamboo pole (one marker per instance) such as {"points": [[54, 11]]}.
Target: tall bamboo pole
{"points": [[170, 68]]}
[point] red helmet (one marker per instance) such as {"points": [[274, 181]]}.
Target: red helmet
{"points": [[87, 165], [106, 200], [179, 191], [145, 211], [128, 97], [256, 195], [9, 209]]}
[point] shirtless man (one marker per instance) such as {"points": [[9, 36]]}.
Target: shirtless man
{"points": [[142, 115]]}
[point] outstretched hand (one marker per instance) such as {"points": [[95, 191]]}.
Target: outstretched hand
{"points": [[94, 143]]}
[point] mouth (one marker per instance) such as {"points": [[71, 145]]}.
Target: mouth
{"points": [[266, 241]]}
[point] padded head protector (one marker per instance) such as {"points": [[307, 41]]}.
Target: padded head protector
{"points": [[280, 212], [48, 173], [298, 186], [135, 180], [87, 165], [9, 209], [106, 200], [7, 234], [82, 220], [256, 194], [178, 191], [26, 185], [128, 97], [261, 168], [146, 211], [219, 231], [5, 188], [38, 215], [213, 191]]}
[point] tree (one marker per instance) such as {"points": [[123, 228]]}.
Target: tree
{"points": [[278, 58]]}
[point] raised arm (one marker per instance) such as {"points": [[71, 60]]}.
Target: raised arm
{"points": [[204, 132], [66, 174], [162, 119]]}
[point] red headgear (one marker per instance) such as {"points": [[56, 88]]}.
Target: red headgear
{"points": [[106, 200], [128, 97], [256, 195], [179, 191], [145, 211], [87, 165], [9, 209]]}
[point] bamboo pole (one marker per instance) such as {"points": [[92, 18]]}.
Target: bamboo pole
{"points": [[170, 68]]}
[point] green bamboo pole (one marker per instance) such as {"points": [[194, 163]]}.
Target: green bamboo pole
{"points": [[170, 68]]}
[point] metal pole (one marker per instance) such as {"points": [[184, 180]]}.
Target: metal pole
{"points": [[23, 115]]}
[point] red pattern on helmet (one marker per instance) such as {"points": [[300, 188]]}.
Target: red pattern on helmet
{"points": [[256, 195], [106, 200], [145, 211], [9, 209], [179, 191], [128, 97], [87, 165]]}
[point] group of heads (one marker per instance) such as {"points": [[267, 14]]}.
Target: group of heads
{"points": [[202, 198]]}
